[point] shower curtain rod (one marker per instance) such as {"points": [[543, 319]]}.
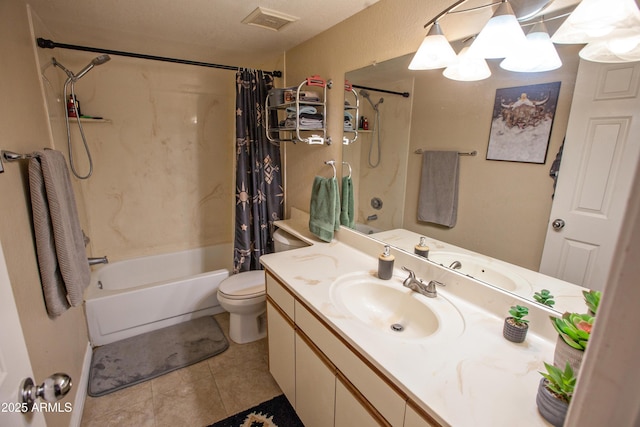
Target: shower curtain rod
{"points": [[48, 44], [404, 94]]}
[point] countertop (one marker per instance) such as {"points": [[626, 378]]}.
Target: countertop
{"points": [[472, 377]]}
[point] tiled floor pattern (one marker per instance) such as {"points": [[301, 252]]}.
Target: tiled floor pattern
{"points": [[197, 395]]}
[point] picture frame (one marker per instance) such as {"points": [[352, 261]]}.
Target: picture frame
{"points": [[521, 123]]}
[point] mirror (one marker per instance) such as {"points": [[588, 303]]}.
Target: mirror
{"points": [[503, 206]]}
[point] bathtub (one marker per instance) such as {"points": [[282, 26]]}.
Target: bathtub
{"points": [[139, 295]]}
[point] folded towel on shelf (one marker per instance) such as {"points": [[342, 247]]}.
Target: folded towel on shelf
{"points": [[309, 96], [291, 111], [438, 197], [324, 212], [347, 217], [62, 259]]}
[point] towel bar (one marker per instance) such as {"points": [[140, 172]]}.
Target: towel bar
{"points": [[349, 166], [460, 153], [11, 156]]}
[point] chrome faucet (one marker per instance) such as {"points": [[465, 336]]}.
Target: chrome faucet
{"points": [[372, 217], [456, 265], [417, 285], [101, 260]]}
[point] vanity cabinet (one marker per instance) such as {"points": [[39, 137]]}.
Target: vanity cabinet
{"points": [[333, 385]]}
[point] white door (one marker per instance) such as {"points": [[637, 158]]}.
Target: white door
{"points": [[599, 159], [14, 360]]}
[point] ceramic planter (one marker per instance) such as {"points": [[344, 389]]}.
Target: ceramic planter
{"points": [[513, 332], [551, 408], [565, 353]]}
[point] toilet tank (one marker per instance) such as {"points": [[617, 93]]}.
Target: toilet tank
{"points": [[284, 241]]}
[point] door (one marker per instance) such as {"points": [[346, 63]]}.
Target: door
{"points": [[599, 159], [14, 359]]}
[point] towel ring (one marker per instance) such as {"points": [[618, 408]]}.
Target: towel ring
{"points": [[349, 166], [332, 163]]}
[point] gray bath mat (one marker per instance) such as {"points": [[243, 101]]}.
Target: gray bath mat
{"points": [[137, 359]]}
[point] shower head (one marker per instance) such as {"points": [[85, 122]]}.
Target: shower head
{"points": [[364, 94], [98, 60]]}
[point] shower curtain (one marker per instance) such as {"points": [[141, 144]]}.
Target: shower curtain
{"points": [[259, 192]]}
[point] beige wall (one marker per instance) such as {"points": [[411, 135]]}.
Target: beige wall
{"points": [[508, 223], [54, 345], [383, 31]]}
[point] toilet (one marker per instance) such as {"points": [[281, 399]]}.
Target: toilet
{"points": [[243, 295]]}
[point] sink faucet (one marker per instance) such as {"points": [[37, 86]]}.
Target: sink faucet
{"points": [[417, 285], [456, 265]]}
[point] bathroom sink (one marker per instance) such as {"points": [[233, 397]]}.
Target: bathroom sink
{"points": [[482, 268], [390, 308]]}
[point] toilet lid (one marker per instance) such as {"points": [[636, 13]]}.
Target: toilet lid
{"points": [[248, 284]]}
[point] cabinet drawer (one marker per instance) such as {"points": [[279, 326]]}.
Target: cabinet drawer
{"points": [[280, 295], [374, 388]]}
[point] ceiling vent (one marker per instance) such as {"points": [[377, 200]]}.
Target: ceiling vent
{"points": [[269, 19]]}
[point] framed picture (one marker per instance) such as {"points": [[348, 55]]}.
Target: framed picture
{"points": [[521, 123]]}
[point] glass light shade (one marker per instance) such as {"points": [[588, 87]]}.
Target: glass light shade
{"points": [[467, 68], [593, 20], [623, 48], [500, 37], [537, 55], [434, 52]]}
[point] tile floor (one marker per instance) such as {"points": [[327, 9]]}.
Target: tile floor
{"points": [[197, 395]]}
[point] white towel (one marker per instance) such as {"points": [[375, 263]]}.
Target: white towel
{"points": [[438, 198], [64, 270]]}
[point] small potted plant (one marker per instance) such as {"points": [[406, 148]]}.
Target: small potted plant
{"points": [[574, 331], [555, 392], [516, 326], [544, 297], [592, 299]]}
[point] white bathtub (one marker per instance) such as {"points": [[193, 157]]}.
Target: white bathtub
{"points": [[139, 295]]}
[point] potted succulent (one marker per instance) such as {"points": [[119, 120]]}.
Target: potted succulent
{"points": [[573, 335], [516, 326], [544, 297], [555, 392], [592, 299]]}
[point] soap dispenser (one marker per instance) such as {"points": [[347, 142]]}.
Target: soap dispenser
{"points": [[385, 264], [421, 248]]}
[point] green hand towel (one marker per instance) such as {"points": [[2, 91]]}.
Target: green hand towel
{"points": [[324, 212], [347, 217]]}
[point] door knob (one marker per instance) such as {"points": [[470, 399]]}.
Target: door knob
{"points": [[52, 389], [557, 224]]}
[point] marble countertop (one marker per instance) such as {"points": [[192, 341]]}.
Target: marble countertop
{"points": [[471, 377]]}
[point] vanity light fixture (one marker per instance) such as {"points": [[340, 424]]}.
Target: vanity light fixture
{"points": [[501, 36], [467, 68], [537, 54], [611, 29], [434, 52], [595, 20]]}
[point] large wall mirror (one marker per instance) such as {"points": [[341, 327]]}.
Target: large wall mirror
{"points": [[503, 206]]}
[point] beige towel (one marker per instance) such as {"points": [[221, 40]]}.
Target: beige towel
{"points": [[438, 198], [64, 270]]}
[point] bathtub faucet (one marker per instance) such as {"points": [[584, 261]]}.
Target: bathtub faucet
{"points": [[101, 260]]}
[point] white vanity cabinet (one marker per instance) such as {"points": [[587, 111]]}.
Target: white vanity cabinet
{"points": [[333, 385]]}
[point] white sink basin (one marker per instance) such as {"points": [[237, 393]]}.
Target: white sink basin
{"points": [[484, 269], [390, 308]]}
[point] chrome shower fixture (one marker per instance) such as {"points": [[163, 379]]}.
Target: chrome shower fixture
{"points": [[70, 83], [98, 60]]}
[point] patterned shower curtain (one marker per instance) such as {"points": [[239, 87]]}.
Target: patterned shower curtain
{"points": [[259, 192]]}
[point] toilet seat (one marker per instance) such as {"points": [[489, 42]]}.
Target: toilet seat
{"points": [[242, 286]]}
